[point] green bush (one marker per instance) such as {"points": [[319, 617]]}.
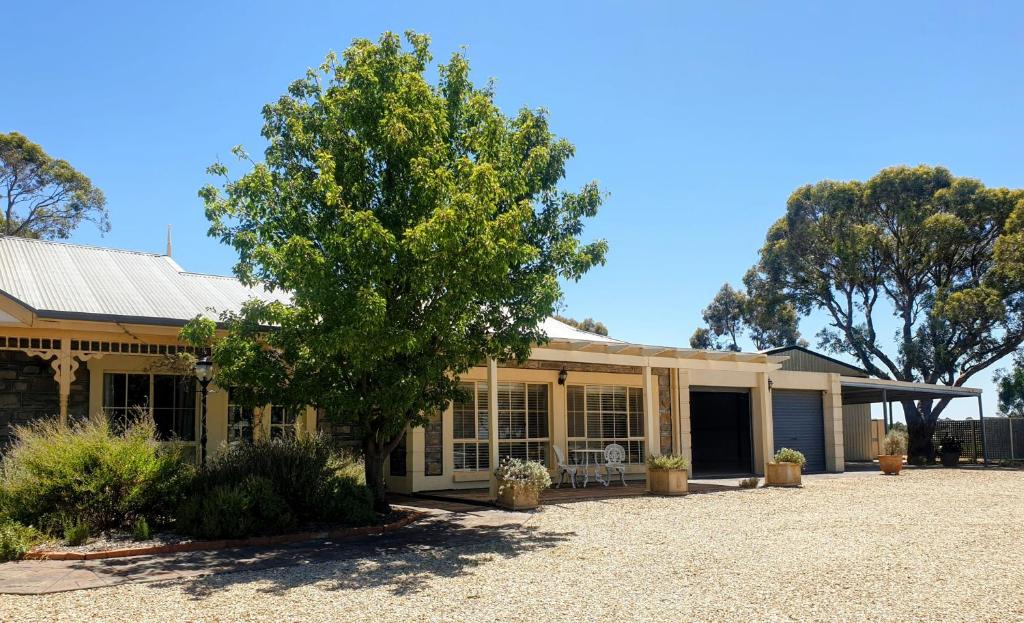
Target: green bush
{"points": [[269, 487], [89, 474], [76, 533], [16, 540], [788, 455], [141, 530], [895, 442], [667, 461], [750, 483]]}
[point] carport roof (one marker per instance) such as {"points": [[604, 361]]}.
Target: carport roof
{"points": [[858, 391]]}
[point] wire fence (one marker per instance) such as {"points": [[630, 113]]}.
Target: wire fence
{"points": [[1004, 438]]}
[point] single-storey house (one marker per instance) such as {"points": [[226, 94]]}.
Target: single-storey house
{"points": [[87, 329]]}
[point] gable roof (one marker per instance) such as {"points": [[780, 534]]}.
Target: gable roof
{"points": [[77, 282], [781, 350]]}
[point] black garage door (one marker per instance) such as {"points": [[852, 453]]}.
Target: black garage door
{"points": [[799, 424]]}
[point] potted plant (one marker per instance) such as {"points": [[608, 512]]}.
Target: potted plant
{"points": [[950, 450], [667, 474], [895, 446], [786, 468], [520, 483]]}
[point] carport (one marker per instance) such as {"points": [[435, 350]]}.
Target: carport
{"points": [[858, 391]]}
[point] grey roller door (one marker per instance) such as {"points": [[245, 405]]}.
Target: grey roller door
{"points": [[799, 424]]}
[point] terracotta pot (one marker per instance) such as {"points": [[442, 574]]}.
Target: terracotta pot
{"points": [[517, 498], [667, 481], [891, 463], [782, 475]]}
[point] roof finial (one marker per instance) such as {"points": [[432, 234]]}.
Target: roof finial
{"points": [[168, 241]]}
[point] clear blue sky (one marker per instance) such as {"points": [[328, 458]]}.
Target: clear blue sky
{"points": [[699, 119]]}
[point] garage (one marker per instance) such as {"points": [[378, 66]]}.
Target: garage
{"points": [[720, 432], [798, 423]]}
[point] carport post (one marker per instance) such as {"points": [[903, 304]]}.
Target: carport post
{"points": [[885, 413], [981, 422]]}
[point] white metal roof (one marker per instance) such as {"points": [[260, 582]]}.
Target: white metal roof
{"points": [[72, 281]]}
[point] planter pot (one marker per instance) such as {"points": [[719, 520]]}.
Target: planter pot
{"points": [[667, 481], [890, 463], [782, 475], [517, 498], [950, 459]]}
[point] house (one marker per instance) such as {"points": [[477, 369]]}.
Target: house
{"points": [[87, 329]]}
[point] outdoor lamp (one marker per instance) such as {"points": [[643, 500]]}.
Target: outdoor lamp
{"points": [[204, 370], [562, 375]]}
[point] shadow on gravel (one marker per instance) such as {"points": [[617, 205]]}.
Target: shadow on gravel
{"points": [[437, 547]]}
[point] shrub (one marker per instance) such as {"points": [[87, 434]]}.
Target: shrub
{"points": [[140, 530], [77, 533], [895, 442], [667, 461], [269, 487], [788, 455], [16, 540], [89, 474], [518, 473], [950, 444], [750, 483]]}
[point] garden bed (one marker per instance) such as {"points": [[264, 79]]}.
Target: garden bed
{"points": [[122, 545]]}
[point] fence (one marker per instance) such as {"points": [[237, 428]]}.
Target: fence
{"points": [[1004, 438]]}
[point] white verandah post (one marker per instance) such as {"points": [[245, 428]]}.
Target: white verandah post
{"points": [[492, 423]]}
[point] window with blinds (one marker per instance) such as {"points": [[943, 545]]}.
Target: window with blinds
{"points": [[523, 424], [603, 414]]}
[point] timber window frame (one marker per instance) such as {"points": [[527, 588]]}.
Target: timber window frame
{"points": [[601, 414]]}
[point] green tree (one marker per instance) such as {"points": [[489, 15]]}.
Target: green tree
{"points": [[44, 197], [417, 228], [917, 243], [1010, 386], [760, 311], [587, 324]]}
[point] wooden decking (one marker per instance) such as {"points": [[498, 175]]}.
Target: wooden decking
{"points": [[563, 495]]}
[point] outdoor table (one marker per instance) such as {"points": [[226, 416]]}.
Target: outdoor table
{"points": [[586, 453]]}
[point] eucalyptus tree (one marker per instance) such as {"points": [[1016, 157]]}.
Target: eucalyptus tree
{"points": [[417, 229]]}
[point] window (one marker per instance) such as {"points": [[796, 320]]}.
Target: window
{"points": [[603, 414], [523, 416], [170, 399], [282, 422], [240, 421]]}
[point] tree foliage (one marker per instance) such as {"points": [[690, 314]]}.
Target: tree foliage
{"points": [[940, 253], [1010, 386], [760, 311], [587, 324], [417, 229], [44, 197]]}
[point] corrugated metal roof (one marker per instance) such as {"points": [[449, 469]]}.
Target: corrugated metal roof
{"points": [[72, 281], [558, 330]]}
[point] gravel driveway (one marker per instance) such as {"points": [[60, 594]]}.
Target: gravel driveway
{"points": [[930, 545]]}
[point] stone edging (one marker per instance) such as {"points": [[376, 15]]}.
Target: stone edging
{"points": [[194, 546]]}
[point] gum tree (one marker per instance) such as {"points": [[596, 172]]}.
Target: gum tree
{"points": [[941, 254], [42, 196], [417, 229]]}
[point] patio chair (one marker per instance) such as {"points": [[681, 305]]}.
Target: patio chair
{"points": [[564, 468], [614, 455]]}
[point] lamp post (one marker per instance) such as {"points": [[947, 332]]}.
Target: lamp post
{"points": [[204, 373]]}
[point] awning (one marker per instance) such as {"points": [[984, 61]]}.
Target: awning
{"points": [[858, 391]]}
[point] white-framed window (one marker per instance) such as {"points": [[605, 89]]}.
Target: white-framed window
{"points": [[523, 424], [282, 421], [604, 414], [169, 398], [240, 421]]}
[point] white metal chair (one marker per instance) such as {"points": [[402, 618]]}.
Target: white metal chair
{"points": [[614, 455], [564, 468]]}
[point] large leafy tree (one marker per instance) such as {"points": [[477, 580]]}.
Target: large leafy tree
{"points": [[587, 324], [760, 311], [42, 196], [417, 229], [916, 243], [1010, 386]]}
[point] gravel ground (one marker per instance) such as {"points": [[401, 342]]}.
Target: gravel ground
{"points": [[930, 545]]}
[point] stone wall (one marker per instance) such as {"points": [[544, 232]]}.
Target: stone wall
{"points": [[29, 391], [575, 367], [433, 441], [664, 382]]}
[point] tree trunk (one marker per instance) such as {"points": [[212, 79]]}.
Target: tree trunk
{"points": [[920, 428], [375, 454]]}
